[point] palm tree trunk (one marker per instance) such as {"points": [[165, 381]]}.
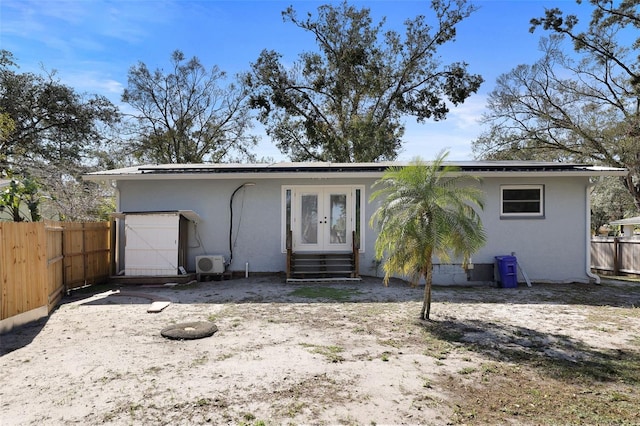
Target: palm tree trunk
{"points": [[426, 301]]}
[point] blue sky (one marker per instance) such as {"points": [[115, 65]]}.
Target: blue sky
{"points": [[92, 44]]}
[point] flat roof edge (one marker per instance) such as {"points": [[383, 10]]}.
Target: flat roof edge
{"points": [[356, 169]]}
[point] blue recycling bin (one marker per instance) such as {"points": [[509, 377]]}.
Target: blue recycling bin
{"points": [[507, 270]]}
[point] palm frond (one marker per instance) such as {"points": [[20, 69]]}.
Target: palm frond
{"points": [[426, 210]]}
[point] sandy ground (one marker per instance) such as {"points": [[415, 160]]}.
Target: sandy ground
{"points": [[279, 357]]}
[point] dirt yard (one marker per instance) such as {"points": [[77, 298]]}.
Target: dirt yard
{"points": [[329, 354]]}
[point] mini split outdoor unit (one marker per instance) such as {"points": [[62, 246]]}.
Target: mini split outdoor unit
{"points": [[210, 264]]}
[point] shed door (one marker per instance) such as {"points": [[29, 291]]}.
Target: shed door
{"points": [[151, 244]]}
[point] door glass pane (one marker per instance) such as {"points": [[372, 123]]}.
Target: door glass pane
{"points": [[338, 218], [288, 210], [309, 219]]}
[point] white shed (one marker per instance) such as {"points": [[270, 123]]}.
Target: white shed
{"points": [[156, 242], [628, 225]]}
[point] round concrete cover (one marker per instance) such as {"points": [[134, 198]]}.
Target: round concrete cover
{"points": [[189, 330]]}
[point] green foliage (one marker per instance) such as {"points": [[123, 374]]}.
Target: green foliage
{"points": [[579, 101], [7, 126], [610, 201], [185, 116], [53, 135], [345, 102], [51, 123], [330, 293], [425, 211], [331, 352], [20, 200]]}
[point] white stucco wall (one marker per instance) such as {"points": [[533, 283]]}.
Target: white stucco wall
{"points": [[257, 213], [550, 249]]}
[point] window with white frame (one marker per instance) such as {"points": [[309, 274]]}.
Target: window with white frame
{"points": [[525, 201]]}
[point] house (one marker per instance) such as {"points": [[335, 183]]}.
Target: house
{"points": [[275, 217]]}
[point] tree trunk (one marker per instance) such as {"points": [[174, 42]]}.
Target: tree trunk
{"points": [[633, 189], [426, 302]]}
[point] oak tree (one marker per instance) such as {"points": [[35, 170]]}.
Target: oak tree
{"points": [[578, 102], [346, 101], [47, 123]]}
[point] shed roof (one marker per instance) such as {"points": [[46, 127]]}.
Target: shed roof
{"points": [[309, 169], [628, 221], [188, 214]]}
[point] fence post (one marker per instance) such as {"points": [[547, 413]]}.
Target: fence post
{"points": [[85, 255], [64, 259], [616, 255], [112, 247]]}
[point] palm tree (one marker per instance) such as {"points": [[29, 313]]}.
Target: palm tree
{"points": [[426, 211]]}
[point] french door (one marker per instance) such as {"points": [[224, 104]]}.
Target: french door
{"points": [[322, 219]]}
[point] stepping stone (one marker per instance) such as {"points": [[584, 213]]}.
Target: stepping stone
{"points": [[157, 306]]}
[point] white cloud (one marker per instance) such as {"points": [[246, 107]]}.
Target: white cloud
{"points": [[93, 82], [454, 134], [468, 115]]}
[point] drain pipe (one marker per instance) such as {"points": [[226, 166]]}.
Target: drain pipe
{"points": [[587, 209]]}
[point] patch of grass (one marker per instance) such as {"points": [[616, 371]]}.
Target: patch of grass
{"points": [[227, 311], [331, 353], [427, 383], [112, 375], [133, 408], [490, 368], [248, 421], [437, 348], [203, 402], [327, 293], [295, 408], [224, 356], [201, 360], [153, 370], [394, 343], [248, 416], [467, 370]]}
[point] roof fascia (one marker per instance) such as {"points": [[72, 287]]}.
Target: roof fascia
{"points": [[340, 175], [545, 173], [234, 176]]}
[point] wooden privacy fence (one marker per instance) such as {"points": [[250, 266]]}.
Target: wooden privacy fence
{"points": [[615, 255], [40, 261]]}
